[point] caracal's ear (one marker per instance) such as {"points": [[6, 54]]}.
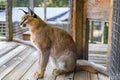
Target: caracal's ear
{"points": [[24, 11], [31, 13]]}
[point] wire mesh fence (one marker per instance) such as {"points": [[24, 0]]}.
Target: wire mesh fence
{"points": [[115, 44]]}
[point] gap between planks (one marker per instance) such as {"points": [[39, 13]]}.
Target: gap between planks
{"points": [[14, 62], [22, 68], [11, 54], [8, 49], [19, 57]]}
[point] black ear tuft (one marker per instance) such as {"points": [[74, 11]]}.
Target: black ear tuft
{"points": [[31, 13], [24, 11], [35, 16]]}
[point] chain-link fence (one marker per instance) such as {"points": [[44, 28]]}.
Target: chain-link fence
{"points": [[115, 44]]}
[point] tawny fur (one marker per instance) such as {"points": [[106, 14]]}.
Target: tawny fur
{"points": [[52, 42]]}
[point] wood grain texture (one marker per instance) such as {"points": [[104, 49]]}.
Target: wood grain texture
{"points": [[69, 76], [29, 75], [11, 54], [9, 26], [78, 27], [83, 75], [7, 49], [102, 77], [93, 77], [23, 63], [6, 44], [14, 62], [21, 69], [110, 32]]}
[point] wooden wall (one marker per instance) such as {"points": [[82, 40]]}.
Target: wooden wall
{"points": [[79, 30], [98, 9], [82, 10]]}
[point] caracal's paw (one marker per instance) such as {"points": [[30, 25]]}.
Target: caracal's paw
{"points": [[58, 72], [38, 75]]}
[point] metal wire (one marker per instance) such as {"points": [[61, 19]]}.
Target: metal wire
{"points": [[114, 69]]}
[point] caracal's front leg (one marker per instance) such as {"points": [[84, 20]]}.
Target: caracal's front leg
{"points": [[43, 60]]}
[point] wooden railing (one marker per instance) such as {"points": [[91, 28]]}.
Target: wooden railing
{"points": [[2, 31], [18, 31]]}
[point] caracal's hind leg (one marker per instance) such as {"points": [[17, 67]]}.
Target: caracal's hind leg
{"points": [[65, 64]]}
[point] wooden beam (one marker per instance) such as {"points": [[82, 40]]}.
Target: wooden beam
{"points": [[85, 38], [78, 27], [31, 4], [45, 10], [9, 26], [110, 32]]}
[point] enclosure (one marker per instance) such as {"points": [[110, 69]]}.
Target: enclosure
{"points": [[93, 24]]}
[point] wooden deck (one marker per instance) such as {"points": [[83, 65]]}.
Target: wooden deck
{"points": [[19, 62]]}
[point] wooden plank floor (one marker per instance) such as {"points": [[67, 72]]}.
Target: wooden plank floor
{"points": [[19, 62]]}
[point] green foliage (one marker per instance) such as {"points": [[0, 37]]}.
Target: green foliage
{"points": [[57, 3], [106, 33], [2, 2], [21, 3], [0, 33], [40, 3]]}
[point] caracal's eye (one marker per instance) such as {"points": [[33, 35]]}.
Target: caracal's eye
{"points": [[23, 20]]}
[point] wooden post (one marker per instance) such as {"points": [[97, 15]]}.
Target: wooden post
{"points": [[31, 4], [45, 10], [86, 40], [9, 26], [79, 28], [110, 32]]}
